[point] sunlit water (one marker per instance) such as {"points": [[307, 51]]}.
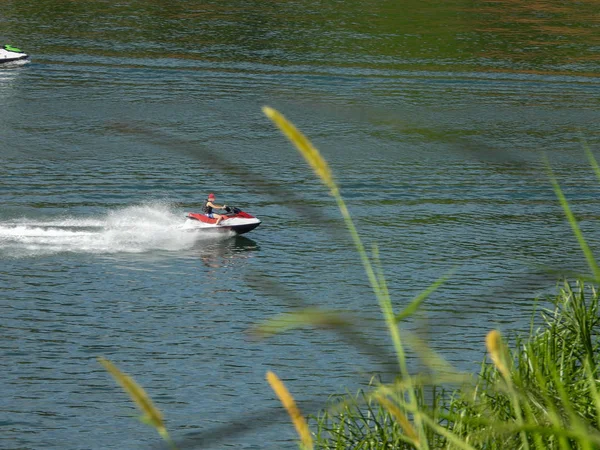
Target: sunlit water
{"points": [[129, 114]]}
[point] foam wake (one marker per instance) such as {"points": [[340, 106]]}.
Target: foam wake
{"points": [[134, 229]]}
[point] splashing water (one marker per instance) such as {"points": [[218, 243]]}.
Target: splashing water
{"points": [[134, 229]]}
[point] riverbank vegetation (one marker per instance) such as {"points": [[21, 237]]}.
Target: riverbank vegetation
{"points": [[542, 393], [539, 392]]}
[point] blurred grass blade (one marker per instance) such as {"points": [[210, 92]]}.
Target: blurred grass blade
{"points": [[379, 274], [575, 226], [310, 153], [290, 405], [152, 416], [594, 391], [416, 303], [299, 319], [592, 159], [575, 423], [500, 357], [400, 418], [456, 441], [432, 359]]}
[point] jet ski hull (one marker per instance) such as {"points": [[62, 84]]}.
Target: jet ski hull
{"points": [[237, 221], [10, 54], [195, 225]]}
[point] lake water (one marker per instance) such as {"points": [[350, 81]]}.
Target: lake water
{"points": [[435, 120]]}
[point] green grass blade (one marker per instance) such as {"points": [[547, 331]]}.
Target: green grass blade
{"points": [[592, 159], [594, 392], [455, 440], [299, 319], [575, 226], [416, 303]]}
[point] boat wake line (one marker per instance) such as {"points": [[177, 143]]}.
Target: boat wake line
{"points": [[134, 229]]}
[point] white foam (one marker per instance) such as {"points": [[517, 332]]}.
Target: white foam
{"points": [[135, 229], [15, 63]]}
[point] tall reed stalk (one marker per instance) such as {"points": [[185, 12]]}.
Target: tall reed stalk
{"points": [[375, 276]]}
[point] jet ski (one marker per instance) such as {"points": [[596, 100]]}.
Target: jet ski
{"points": [[8, 53], [235, 220]]}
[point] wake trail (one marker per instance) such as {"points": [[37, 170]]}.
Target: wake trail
{"points": [[134, 229]]}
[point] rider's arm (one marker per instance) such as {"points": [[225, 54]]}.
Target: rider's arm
{"points": [[212, 205]]}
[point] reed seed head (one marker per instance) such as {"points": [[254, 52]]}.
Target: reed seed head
{"points": [[304, 146], [400, 418], [290, 405], [152, 415], [497, 351]]}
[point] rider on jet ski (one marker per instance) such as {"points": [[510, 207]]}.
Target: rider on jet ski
{"points": [[207, 208]]}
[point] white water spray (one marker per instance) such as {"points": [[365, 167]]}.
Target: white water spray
{"points": [[135, 229]]}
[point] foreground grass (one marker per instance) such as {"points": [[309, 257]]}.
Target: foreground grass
{"points": [[542, 393]]}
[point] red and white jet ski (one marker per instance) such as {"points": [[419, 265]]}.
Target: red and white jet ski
{"points": [[235, 220]]}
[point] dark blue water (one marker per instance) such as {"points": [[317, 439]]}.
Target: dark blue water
{"points": [[107, 137]]}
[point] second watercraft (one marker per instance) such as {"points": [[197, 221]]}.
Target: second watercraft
{"points": [[8, 53]]}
